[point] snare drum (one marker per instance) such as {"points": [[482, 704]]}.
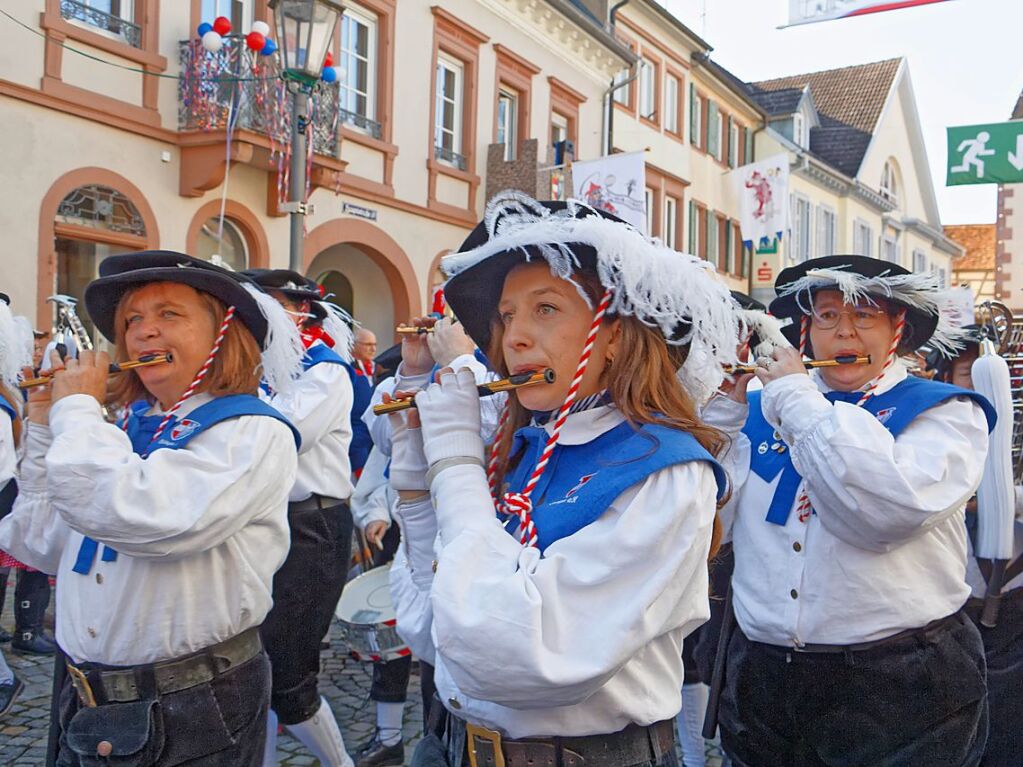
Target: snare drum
{"points": [[367, 617]]}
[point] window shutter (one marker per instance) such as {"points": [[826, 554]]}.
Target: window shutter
{"points": [[692, 228], [729, 157], [694, 118], [713, 129], [748, 157]]}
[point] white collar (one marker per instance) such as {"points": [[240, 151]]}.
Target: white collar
{"points": [[187, 406], [587, 425]]}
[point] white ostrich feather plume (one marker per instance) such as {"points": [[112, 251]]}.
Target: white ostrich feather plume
{"points": [[919, 290], [15, 348], [660, 287], [767, 327], [339, 325], [283, 350]]}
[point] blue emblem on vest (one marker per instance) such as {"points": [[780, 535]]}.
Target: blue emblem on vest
{"points": [[140, 429], [582, 481], [895, 409]]}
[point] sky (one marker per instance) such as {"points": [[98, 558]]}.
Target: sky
{"points": [[964, 63]]}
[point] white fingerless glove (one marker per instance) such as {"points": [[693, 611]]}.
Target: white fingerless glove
{"points": [[408, 462], [450, 413]]}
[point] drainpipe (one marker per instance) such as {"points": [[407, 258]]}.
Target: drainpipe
{"points": [[609, 118]]}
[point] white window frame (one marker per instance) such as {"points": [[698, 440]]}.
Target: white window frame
{"points": [[648, 204], [457, 68], [670, 228], [622, 95], [210, 9], [508, 121], [801, 237], [889, 249], [889, 183], [797, 129], [827, 230], [672, 86], [863, 238], [733, 144], [559, 128], [647, 89], [919, 261], [349, 88]]}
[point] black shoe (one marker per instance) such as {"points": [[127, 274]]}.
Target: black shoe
{"points": [[5, 636], [377, 754], [33, 643], [9, 693]]}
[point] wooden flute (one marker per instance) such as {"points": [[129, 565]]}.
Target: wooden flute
{"points": [[545, 376], [848, 359], [115, 367]]}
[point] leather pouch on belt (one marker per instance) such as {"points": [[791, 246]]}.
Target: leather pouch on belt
{"points": [[117, 735]]}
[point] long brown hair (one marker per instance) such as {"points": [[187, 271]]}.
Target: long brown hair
{"points": [[235, 370], [642, 384]]}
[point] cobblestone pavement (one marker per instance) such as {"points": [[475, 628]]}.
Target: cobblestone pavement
{"points": [[344, 683]]}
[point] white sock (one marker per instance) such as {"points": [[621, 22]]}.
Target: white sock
{"points": [[270, 749], [321, 735], [389, 720], [690, 724], [7, 676]]}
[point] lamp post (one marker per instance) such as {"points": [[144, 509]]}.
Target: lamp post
{"points": [[305, 29]]}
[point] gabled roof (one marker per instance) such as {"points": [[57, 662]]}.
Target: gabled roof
{"points": [[849, 100], [1017, 113], [783, 101]]}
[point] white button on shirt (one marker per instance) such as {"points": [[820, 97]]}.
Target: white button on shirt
{"points": [[199, 531], [886, 548]]}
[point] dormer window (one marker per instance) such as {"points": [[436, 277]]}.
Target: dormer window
{"points": [[799, 131], [890, 182]]}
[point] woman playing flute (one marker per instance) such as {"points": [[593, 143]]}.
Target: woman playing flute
{"points": [[166, 529], [850, 549], [556, 624]]}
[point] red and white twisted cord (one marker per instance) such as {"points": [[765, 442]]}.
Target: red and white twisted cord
{"points": [[198, 376], [520, 504], [804, 330], [493, 463]]}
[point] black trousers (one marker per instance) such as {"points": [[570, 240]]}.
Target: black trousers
{"points": [[1003, 647], [305, 592], [918, 701], [218, 724]]}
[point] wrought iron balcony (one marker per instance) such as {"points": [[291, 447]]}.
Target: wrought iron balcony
{"points": [[372, 127], [132, 33], [237, 88], [446, 155]]}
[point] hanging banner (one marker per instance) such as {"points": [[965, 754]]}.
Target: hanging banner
{"points": [[615, 183], [762, 189], [811, 11]]}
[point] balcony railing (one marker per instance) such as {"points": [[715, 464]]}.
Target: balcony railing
{"points": [[233, 86], [452, 158], [372, 127], [132, 33]]}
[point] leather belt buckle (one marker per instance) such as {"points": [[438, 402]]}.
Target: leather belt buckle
{"points": [[81, 684], [490, 746]]}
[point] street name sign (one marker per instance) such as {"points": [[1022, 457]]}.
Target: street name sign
{"points": [[985, 154]]}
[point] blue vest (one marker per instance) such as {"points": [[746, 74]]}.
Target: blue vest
{"points": [[582, 481], [5, 407], [895, 409], [140, 429], [362, 391]]}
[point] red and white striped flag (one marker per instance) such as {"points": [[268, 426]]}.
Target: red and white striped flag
{"points": [[810, 11]]}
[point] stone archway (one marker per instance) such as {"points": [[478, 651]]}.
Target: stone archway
{"points": [[377, 261]]}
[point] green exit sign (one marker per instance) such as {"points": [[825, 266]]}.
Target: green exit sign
{"points": [[985, 154]]}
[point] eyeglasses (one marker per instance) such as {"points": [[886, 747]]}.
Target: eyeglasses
{"points": [[863, 317]]}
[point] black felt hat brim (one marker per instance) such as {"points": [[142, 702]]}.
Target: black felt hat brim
{"points": [[122, 272], [276, 279], [5, 298], [920, 325]]}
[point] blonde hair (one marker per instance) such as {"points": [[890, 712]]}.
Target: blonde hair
{"points": [[235, 369], [642, 384]]}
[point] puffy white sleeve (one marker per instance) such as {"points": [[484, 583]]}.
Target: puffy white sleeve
{"points": [[316, 401], [527, 631], [174, 502], [869, 488], [370, 500], [8, 450], [34, 532], [412, 576], [729, 416]]}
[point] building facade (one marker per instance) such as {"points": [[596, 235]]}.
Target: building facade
{"points": [[976, 267]]}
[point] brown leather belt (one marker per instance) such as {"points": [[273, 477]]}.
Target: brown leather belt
{"points": [[97, 685], [633, 745]]}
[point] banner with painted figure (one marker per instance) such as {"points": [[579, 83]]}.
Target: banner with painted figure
{"points": [[615, 183], [762, 189], [810, 11]]}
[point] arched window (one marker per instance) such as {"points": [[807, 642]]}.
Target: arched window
{"points": [[225, 241], [890, 182], [93, 222]]}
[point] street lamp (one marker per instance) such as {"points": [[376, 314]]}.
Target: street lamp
{"points": [[305, 30]]}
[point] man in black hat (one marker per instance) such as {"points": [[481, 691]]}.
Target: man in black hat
{"points": [[309, 583], [848, 533]]}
